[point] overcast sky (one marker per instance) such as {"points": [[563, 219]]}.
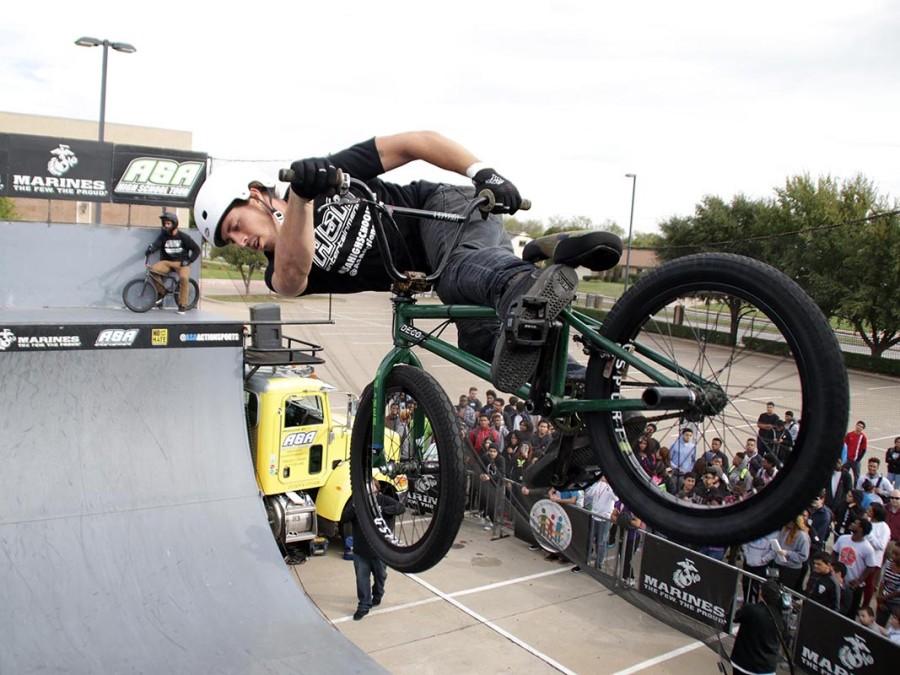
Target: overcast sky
{"points": [[564, 98]]}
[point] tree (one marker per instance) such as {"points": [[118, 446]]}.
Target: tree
{"points": [[646, 240], [743, 226], [7, 209], [575, 223], [533, 228], [849, 265], [244, 260]]}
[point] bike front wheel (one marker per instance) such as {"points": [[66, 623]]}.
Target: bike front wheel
{"points": [[420, 466], [139, 295], [740, 334]]}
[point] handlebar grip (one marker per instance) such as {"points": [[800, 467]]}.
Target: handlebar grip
{"points": [[489, 205], [288, 176]]}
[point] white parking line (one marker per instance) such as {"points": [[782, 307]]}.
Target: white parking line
{"points": [[468, 591], [890, 386], [659, 659], [494, 627]]}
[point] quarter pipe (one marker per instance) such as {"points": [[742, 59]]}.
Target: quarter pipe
{"points": [[132, 536]]}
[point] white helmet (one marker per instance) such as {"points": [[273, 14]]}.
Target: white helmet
{"points": [[217, 194]]}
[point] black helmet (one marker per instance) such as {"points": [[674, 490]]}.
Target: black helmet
{"points": [[170, 216]]}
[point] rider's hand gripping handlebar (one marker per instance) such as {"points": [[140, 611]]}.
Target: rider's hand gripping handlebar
{"points": [[485, 202]]}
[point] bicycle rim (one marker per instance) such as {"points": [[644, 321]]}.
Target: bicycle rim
{"points": [[421, 468], [139, 295], [754, 337]]}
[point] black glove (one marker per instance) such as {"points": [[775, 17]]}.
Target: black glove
{"points": [[185, 263], [313, 177], [506, 195], [148, 251]]}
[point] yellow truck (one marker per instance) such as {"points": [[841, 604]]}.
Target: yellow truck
{"points": [[300, 447]]}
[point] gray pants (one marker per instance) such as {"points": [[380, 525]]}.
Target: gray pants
{"points": [[366, 569], [479, 267]]}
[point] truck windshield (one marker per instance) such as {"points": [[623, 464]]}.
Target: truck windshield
{"points": [[301, 411]]}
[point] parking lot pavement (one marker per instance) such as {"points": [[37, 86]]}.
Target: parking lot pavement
{"points": [[494, 606]]}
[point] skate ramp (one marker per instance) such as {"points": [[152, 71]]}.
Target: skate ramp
{"points": [[69, 265], [132, 536]]}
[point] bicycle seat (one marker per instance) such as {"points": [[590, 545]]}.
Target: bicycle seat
{"points": [[598, 251]]}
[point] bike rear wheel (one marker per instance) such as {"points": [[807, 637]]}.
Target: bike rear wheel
{"points": [[756, 336], [139, 295], [193, 294], [421, 466]]}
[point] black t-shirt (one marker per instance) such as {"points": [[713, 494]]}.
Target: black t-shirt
{"points": [[175, 247], [768, 435], [346, 258]]}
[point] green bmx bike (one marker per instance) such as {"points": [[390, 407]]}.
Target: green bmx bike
{"points": [[702, 342]]}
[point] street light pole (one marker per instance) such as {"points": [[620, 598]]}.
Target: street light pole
{"points": [[633, 177], [106, 44]]}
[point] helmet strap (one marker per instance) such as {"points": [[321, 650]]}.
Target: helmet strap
{"points": [[276, 214]]}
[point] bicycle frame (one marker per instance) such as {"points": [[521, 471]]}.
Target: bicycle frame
{"points": [[406, 336]]}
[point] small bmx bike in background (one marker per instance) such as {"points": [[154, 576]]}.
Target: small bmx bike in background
{"points": [[140, 295]]}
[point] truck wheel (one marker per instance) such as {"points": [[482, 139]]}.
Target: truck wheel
{"points": [[422, 461]]}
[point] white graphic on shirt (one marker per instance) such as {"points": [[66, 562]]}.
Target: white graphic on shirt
{"points": [[331, 235], [173, 247]]}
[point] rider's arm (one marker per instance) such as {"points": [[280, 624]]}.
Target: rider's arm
{"points": [[156, 245], [294, 247], [193, 250], [429, 146]]}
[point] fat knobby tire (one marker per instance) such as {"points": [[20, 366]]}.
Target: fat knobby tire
{"points": [[825, 403], [433, 402]]}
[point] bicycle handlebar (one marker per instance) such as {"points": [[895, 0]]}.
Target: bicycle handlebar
{"points": [[484, 201], [343, 180]]}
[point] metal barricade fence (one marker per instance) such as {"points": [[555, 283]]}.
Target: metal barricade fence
{"points": [[678, 585]]}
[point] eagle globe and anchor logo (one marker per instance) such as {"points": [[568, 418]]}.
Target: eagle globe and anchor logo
{"points": [[855, 654], [7, 338], [686, 574], [63, 159]]}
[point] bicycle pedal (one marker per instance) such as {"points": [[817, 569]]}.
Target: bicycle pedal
{"points": [[527, 324]]}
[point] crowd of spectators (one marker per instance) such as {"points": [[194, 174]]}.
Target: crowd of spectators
{"points": [[843, 551]]}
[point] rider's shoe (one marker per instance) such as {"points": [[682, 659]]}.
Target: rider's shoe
{"points": [[181, 310], [529, 304]]}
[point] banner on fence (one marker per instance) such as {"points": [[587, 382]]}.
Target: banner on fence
{"points": [[157, 176], [689, 582], [554, 527], [50, 167], [830, 643]]}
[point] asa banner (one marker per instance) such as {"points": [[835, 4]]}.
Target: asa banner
{"points": [[830, 643], [691, 583], [156, 176], [50, 167]]}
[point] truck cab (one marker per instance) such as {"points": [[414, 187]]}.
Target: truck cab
{"points": [[300, 447]]}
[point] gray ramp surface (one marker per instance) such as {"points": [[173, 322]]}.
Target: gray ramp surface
{"points": [[132, 536]]}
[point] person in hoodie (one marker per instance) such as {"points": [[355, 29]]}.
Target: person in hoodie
{"points": [[371, 572], [492, 478]]}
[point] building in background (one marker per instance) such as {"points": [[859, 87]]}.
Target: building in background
{"points": [[66, 211]]}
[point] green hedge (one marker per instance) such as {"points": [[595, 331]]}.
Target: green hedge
{"points": [[713, 337], [870, 364]]}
